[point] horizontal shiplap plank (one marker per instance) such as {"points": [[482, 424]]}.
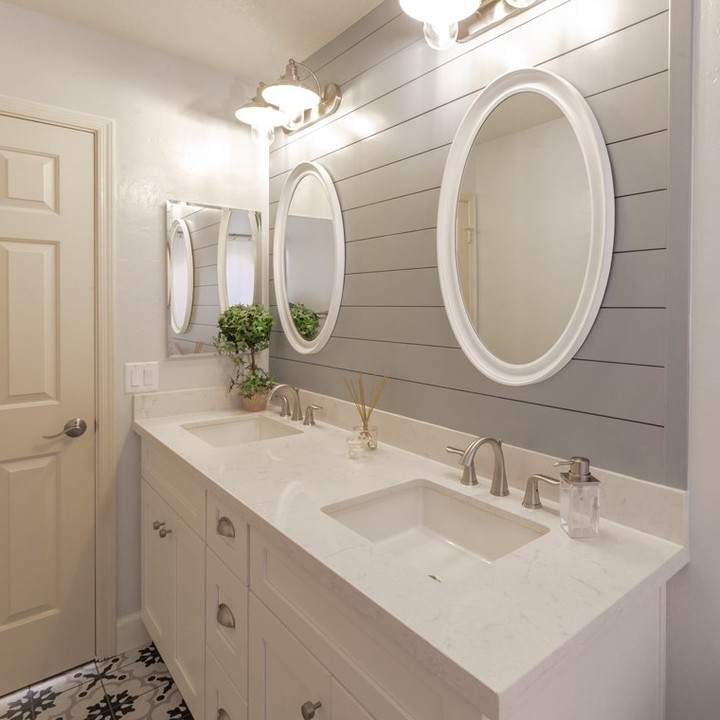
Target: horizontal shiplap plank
{"points": [[404, 288], [206, 295], [641, 221], [399, 215], [205, 276], [392, 252], [627, 447], [640, 165], [637, 280], [205, 257], [412, 325], [627, 335], [638, 391]]}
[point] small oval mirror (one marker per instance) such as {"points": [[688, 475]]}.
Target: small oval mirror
{"points": [[309, 257], [181, 276], [525, 227]]}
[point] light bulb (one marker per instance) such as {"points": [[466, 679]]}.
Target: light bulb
{"points": [[440, 37]]}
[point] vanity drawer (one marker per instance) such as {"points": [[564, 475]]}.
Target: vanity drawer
{"points": [[226, 620], [174, 482], [222, 700], [227, 535]]}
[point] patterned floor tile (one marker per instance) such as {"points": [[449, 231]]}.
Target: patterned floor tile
{"points": [[138, 677], [158, 704], [84, 675], [78, 703], [16, 706], [147, 654]]}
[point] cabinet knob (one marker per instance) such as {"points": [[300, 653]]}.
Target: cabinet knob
{"points": [[225, 527], [308, 709], [157, 525], [225, 616], [163, 532], [223, 714]]}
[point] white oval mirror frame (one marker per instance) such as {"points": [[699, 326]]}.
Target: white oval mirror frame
{"points": [[602, 225], [182, 276], [300, 172]]}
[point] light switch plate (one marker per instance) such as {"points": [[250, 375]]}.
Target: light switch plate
{"points": [[142, 377]]}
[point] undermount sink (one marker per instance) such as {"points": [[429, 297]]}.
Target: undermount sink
{"points": [[444, 534], [238, 431]]}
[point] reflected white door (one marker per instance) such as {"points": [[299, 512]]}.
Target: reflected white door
{"points": [[47, 364]]}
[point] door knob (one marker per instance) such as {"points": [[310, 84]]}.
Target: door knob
{"points": [[157, 525], [163, 532], [73, 428], [308, 709]]}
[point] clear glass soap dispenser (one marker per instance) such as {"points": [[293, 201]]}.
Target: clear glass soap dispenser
{"points": [[579, 499]]}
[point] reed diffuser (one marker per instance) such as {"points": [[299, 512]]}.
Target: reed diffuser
{"points": [[365, 432]]}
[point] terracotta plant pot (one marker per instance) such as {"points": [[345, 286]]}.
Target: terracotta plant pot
{"points": [[256, 402]]}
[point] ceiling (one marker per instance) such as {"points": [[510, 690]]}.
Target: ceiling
{"points": [[250, 38]]}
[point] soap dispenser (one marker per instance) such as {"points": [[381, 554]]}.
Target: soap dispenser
{"points": [[579, 499]]}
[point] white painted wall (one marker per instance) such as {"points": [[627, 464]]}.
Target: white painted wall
{"points": [[175, 138], [694, 595]]}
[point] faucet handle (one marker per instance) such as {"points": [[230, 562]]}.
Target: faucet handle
{"points": [[579, 468], [310, 414], [454, 450], [532, 493]]}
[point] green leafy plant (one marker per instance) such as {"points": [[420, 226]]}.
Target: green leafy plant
{"points": [[244, 330], [306, 320]]}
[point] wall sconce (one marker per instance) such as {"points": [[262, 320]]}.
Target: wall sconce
{"points": [[449, 20], [289, 103]]}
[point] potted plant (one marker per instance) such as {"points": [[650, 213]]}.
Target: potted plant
{"points": [[305, 319], [244, 330]]}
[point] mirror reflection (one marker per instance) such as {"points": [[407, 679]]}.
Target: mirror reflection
{"points": [[221, 257], [309, 257], [523, 228]]}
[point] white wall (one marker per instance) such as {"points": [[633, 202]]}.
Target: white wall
{"points": [[175, 138], [694, 595]]}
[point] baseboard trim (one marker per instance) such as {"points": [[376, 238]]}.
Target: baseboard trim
{"points": [[131, 633]]}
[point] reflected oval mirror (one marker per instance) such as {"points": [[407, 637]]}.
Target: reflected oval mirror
{"points": [[181, 276], [525, 227], [236, 258], [222, 252], [308, 257]]}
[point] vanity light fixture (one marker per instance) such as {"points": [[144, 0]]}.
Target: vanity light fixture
{"points": [[301, 104], [262, 117], [446, 21], [440, 18]]}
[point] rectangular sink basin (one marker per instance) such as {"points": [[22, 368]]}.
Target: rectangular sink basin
{"points": [[238, 431], [442, 533]]}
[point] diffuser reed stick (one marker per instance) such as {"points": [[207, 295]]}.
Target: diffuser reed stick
{"points": [[364, 408]]}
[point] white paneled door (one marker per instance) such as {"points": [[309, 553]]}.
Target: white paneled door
{"points": [[47, 366]]}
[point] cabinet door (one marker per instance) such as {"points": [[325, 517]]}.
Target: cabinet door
{"points": [[157, 581], [187, 664], [345, 706], [284, 675]]}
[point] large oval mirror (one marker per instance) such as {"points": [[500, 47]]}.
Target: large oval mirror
{"points": [[525, 227], [309, 257]]}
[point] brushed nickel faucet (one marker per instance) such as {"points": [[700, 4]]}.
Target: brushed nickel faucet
{"points": [[296, 408], [499, 485]]}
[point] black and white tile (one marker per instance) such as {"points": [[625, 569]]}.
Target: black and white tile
{"points": [[133, 686]]}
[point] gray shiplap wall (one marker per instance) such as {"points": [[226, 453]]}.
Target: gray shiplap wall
{"points": [[386, 149]]}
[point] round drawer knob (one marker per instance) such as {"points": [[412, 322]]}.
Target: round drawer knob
{"points": [[163, 532], [308, 709], [157, 525]]}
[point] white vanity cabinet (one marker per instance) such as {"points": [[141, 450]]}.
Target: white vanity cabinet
{"points": [[173, 571]]}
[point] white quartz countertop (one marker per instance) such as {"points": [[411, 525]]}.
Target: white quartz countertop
{"points": [[490, 635]]}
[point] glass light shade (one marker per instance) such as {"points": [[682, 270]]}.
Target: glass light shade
{"points": [[440, 37], [259, 115], [520, 4], [287, 95], [439, 12]]}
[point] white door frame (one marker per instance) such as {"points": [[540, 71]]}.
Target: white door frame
{"points": [[105, 482]]}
